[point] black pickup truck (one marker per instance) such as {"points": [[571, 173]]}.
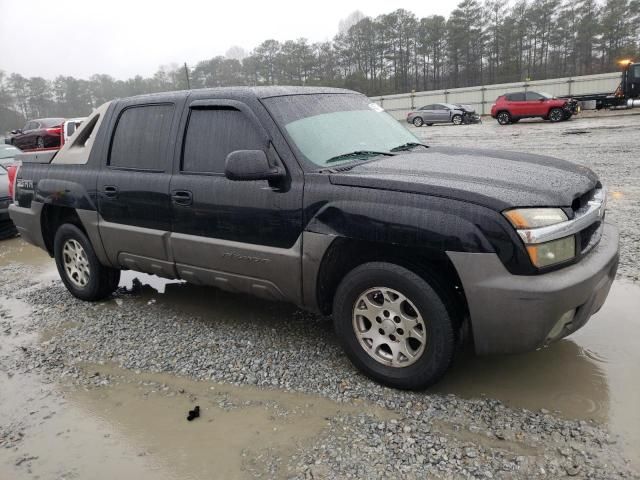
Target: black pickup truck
{"points": [[318, 197]]}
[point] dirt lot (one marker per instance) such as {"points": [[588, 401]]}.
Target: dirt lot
{"points": [[103, 390]]}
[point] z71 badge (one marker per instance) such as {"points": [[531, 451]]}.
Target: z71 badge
{"points": [[24, 184]]}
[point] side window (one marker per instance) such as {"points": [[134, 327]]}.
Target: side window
{"points": [[214, 133], [534, 96], [141, 137], [516, 97]]}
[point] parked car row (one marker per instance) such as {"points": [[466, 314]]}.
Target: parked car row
{"points": [[509, 108], [43, 133]]}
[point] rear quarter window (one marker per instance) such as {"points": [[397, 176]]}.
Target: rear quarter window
{"points": [[141, 137]]}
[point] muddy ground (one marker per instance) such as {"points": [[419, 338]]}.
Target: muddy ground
{"points": [[103, 390]]}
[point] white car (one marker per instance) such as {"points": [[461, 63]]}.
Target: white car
{"points": [[71, 125]]}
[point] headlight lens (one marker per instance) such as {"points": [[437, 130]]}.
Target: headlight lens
{"points": [[550, 253], [535, 217]]}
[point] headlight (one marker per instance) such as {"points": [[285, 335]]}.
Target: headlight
{"points": [[535, 217], [549, 253]]}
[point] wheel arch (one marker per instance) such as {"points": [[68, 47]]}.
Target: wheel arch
{"points": [[54, 216], [345, 254]]}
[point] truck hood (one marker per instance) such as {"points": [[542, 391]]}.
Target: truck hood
{"points": [[492, 178]]}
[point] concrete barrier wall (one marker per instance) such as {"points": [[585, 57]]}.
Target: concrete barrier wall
{"points": [[482, 97]]}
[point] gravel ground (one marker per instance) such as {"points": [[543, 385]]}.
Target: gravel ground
{"points": [[246, 341], [210, 335]]}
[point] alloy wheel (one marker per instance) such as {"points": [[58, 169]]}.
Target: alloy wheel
{"points": [[76, 263], [389, 327]]}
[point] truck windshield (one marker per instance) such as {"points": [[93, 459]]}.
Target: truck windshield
{"points": [[333, 129]]}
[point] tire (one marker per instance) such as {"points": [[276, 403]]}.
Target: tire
{"points": [[418, 122], [504, 118], [39, 142], [457, 119], [84, 276], [427, 360], [556, 115], [7, 230]]}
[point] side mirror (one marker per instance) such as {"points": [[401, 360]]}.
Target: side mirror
{"points": [[243, 165], [15, 132], [542, 99]]}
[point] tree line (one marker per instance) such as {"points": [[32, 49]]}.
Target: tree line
{"points": [[487, 42]]}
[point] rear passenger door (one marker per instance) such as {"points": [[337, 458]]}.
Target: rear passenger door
{"points": [[133, 186], [518, 105], [237, 235]]}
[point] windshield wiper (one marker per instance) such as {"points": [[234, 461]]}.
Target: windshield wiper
{"points": [[358, 153], [408, 146]]}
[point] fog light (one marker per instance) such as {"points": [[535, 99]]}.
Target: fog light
{"points": [[550, 253], [560, 325]]}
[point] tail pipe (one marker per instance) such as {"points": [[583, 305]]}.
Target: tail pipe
{"points": [[633, 103]]}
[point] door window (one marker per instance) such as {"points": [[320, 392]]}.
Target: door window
{"points": [[214, 133], [141, 137], [534, 96], [516, 97]]}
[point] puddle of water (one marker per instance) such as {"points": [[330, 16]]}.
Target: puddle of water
{"points": [[222, 440], [137, 428], [593, 374], [16, 250]]}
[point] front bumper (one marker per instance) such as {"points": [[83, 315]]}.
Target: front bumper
{"points": [[514, 313]]}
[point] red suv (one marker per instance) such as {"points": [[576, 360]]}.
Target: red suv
{"points": [[511, 107]]}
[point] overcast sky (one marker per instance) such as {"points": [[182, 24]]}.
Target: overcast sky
{"points": [[127, 37]]}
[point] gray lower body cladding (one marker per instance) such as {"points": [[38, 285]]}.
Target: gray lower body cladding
{"points": [[512, 313], [285, 274]]}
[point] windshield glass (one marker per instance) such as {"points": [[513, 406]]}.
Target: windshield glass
{"points": [[326, 126], [8, 152]]}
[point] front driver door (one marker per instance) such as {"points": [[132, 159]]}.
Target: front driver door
{"points": [[236, 235]]}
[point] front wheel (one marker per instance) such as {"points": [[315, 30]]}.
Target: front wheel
{"points": [[79, 268], [418, 122], [504, 118], [393, 325], [556, 115], [457, 119]]}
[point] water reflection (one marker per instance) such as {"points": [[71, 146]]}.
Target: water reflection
{"points": [[561, 377]]}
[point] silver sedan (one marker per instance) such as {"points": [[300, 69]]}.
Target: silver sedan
{"points": [[436, 113]]}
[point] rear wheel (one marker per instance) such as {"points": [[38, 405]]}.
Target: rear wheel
{"points": [[556, 115], [393, 325], [418, 122], [504, 118], [81, 271], [457, 119]]}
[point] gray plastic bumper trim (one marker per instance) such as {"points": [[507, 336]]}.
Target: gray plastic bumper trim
{"points": [[514, 313]]}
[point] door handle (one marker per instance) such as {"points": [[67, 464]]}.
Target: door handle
{"points": [[110, 191], [182, 197]]}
